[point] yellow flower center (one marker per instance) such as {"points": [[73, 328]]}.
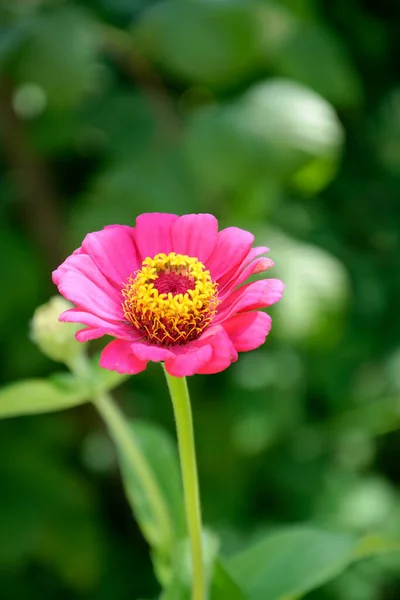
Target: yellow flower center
{"points": [[171, 300]]}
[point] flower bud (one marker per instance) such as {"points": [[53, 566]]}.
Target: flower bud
{"points": [[55, 339]]}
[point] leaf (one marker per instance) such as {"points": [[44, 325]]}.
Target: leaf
{"points": [[60, 55], [277, 128], [291, 45], [161, 455], [34, 396], [319, 291], [208, 42], [58, 392], [373, 545], [336, 79], [13, 32], [181, 583], [223, 585], [291, 562]]}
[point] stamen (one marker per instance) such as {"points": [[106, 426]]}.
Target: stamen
{"points": [[171, 300]]}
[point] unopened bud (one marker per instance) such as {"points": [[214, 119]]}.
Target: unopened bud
{"points": [[55, 339]]}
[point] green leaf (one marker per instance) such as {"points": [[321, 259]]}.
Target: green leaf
{"points": [[223, 585], [60, 55], [58, 392], [34, 396], [313, 312], [334, 76], [180, 585], [373, 545], [277, 128], [162, 458], [208, 42], [291, 562]]}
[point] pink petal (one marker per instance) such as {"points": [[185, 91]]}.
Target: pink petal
{"points": [[118, 356], [82, 264], [114, 252], [91, 296], [248, 330], [75, 315], [257, 266], [230, 279], [92, 333], [148, 351], [97, 327], [233, 245], [127, 357], [189, 360], [252, 296], [195, 235], [211, 353], [154, 234], [223, 355]]}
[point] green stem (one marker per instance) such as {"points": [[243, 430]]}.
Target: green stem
{"points": [[187, 453], [125, 441]]}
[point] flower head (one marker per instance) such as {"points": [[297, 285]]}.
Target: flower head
{"points": [[169, 289]]}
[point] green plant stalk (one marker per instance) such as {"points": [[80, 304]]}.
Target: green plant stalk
{"points": [[184, 424]]}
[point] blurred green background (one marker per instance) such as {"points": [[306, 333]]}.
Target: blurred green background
{"points": [[279, 117]]}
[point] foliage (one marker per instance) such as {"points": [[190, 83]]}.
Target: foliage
{"points": [[282, 118]]}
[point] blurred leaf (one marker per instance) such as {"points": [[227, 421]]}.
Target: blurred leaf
{"points": [[157, 178], [47, 508], [317, 291], [332, 75], [223, 585], [180, 586], [374, 418], [375, 545], [40, 395], [60, 55], [13, 31], [291, 562], [206, 42], [277, 127], [20, 275], [114, 117], [161, 455], [58, 392]]}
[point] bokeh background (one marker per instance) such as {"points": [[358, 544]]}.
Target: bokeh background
{"points": [[279, 117]]}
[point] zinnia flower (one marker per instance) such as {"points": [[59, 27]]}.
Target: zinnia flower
{"points": [[169, 289]]}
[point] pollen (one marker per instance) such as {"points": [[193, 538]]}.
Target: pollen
{"points": [[171, 299]]}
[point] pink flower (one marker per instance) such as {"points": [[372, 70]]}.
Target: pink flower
{"points": [[169, 289]]}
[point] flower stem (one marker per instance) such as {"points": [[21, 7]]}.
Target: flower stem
{"points": [[125, 441], [184, 424]]}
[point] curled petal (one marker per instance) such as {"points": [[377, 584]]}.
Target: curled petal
{"points": [[252, 296], [248, 331], [233, 245], [250, 265]]}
